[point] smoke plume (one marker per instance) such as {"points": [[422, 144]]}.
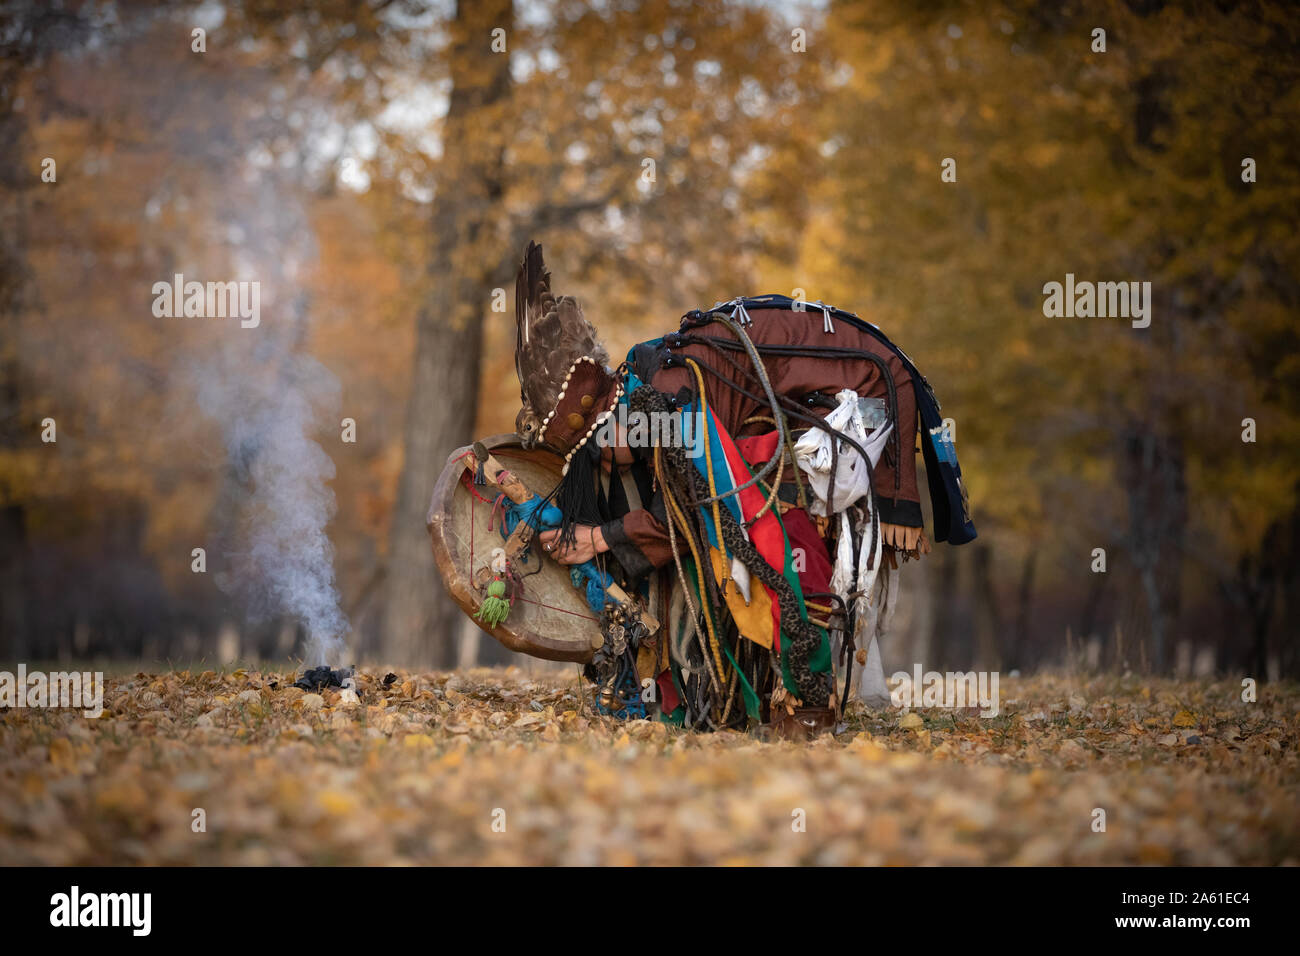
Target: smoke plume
{"points": [[280, 562]]}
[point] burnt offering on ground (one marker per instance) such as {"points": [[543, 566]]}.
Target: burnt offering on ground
{"points": [[316, 679]]}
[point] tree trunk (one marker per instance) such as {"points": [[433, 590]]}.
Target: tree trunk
{"points": [[944, 618], [419, 618], [17, 430], [1154, 472], [1092, 603], [1024, 607], [988, 626]]}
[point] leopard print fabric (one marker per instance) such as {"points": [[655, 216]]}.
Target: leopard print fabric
{"points": [[689, 485]]}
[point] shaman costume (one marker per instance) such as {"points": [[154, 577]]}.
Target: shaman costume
{"points": [[771, 447]]}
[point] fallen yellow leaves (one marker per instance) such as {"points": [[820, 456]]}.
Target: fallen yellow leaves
{"points": [[61, 753], [337, 804], [413, 771]]}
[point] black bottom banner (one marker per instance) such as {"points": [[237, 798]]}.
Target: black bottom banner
{"points": [[347, 905]]}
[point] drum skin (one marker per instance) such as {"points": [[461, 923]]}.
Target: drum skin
{"points": [[550, 619]]}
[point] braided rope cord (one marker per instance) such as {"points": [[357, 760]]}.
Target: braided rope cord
{"points": [[805, 636], [792, 410], [681, 654]]}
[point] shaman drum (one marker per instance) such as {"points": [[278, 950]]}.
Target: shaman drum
{"points": [[550, 618]]}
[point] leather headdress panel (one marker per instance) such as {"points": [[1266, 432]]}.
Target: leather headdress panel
{"points": [[587, 397]]}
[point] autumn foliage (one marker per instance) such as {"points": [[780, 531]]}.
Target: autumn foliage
{"points": [[378, 171]]}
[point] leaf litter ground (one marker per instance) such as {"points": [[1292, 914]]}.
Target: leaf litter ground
{"points": [[500, 767]]}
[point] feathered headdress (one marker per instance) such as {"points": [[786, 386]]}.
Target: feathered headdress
{"points": [[565, 386]]}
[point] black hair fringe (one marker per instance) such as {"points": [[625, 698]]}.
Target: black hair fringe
{"points": [[576, 494]]}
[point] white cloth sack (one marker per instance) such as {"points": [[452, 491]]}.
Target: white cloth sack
{"points": [[812, 453]]}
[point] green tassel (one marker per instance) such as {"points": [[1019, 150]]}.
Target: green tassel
{"points": [[495, 608]]}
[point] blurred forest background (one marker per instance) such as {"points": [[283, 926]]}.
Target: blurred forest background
{"points": [[377, 167]]}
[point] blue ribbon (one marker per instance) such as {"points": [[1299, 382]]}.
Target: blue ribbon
{"points": [[541, 515]]}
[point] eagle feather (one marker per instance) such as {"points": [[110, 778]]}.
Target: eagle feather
{"points": [[551, 333]]}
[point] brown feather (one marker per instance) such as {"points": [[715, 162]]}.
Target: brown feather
{"points": [[531, 284], [551, 334]]}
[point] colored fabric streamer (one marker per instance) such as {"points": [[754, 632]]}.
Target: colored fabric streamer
{"points": [[758, 616]]}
